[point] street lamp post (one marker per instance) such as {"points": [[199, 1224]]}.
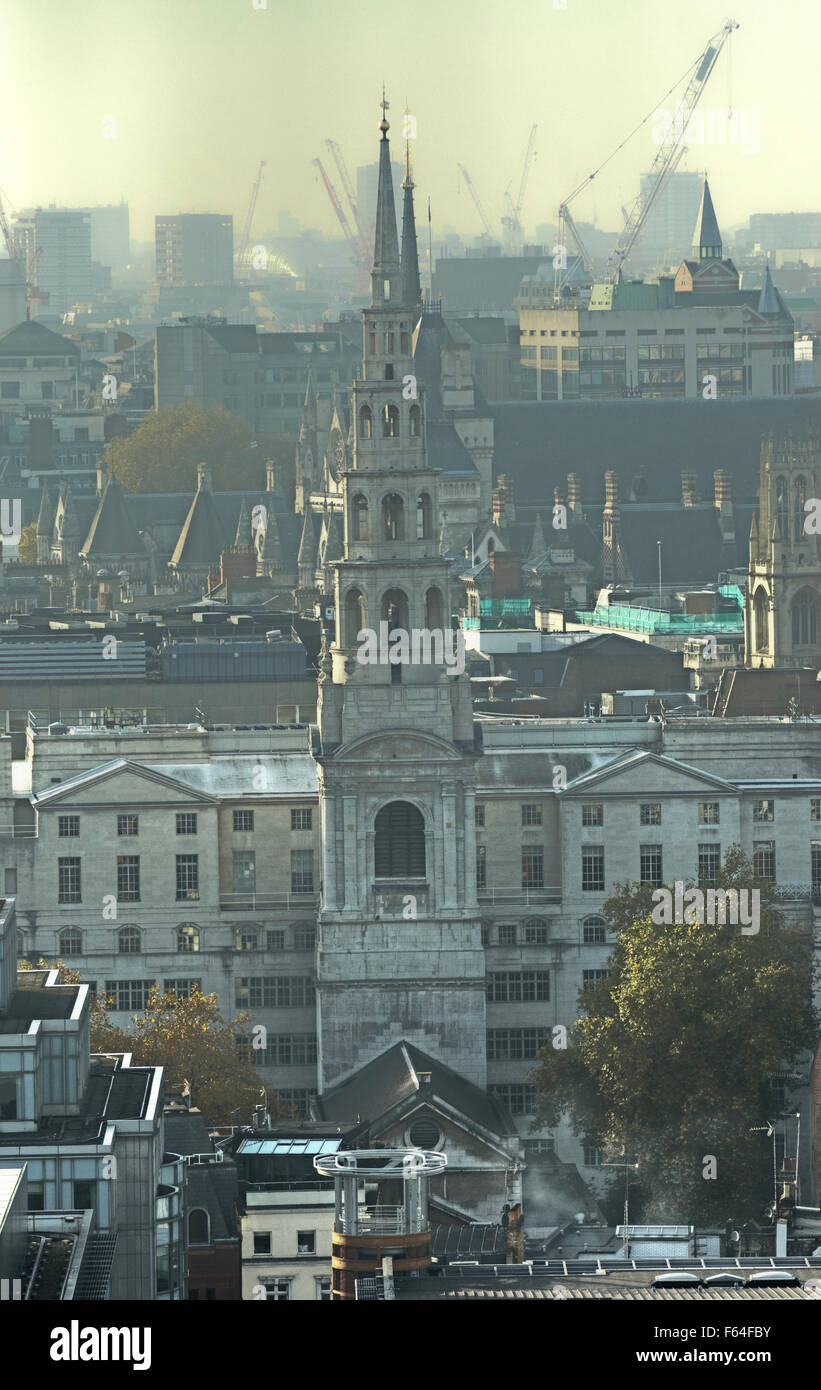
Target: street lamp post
{"points": [[626, 1164]]}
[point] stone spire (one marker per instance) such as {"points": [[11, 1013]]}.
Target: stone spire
{"points": [[387, 270], [242, 540], [411, 284], [307, 425], [706, 237], [538, 545], [769, 301]]}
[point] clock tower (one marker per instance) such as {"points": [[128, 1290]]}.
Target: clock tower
{"points": [[399, 954]]}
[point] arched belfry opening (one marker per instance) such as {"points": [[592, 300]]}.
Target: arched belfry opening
{"points": [[399, 841]]}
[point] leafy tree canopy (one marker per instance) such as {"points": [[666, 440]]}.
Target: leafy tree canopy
{"points": [[671, 1057], [27, 544], [162, 453]]}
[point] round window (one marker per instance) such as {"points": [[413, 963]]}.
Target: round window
{"points": [[424, 1134]]}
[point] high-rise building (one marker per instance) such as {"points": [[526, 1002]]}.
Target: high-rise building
{"points": [[12, 293], [195, 248], [63, 236], [110, 244], [667, 233]]}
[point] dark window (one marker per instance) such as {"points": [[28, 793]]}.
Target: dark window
{"points": [[763, 812], [594, 931], [518, 1098], [68, 881], [183, 988], [481, 867], [186, 823], [304, 936], [302, 871], [507, 934], [592, 977], [592, 815], [244, 870], [479, 816], [306, 1242], [8, 1098], [243, 820], [70, 942], [650, 813], [198, 1227], [513, 1044], [128, 941], [593, 868], [274, 991], [535, 933], [128, 878], [532, 868], [531, 815], [187, 877], [128, 825], [650, 865], [275, 940], [82, 1195], [301, 819], [262, 1242], [764, 858], [68, 827], [188, 938], [400, 841], [129, 994], [709, 863], [518, 986]]}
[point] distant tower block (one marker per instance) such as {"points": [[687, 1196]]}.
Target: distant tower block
{"points": [[381, 1220]]}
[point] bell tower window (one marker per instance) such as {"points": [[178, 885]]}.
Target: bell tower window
{"points": [[399, 848], [390, 422], [415, 421], [424, 517], [393, 517], [386, 289], [359, 511], [365, 422]]}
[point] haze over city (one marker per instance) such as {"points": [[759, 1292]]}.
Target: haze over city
{"points": [[201, 90]]}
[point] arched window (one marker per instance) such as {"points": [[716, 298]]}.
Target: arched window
{"points": [[424, 517], [355, 619], [399, 850], [395, 609], [594, 930], [782, 506], [199, 1227], [805, 618], [359, 517], [70, 942], [390, 422], [188, 937], [434, 609], [761, 635], [365, 422], [799, 517], [535, 932], [128, 941], [415, 421], [393, 517]]}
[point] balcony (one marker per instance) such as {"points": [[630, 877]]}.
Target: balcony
{"points": [[266, 902], [374, 1221], [527, 896]]}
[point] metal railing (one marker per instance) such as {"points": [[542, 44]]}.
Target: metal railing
{"points": [[526, 896], [375, 1221], [798, 892], [263, 902]]}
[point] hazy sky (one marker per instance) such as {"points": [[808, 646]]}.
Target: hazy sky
{"points": [[201, 90]]}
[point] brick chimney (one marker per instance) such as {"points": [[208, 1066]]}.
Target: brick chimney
{"points": [[504, 507], [689, 494], [613, 566], [505, 574], [574, 496], [611, 494]]}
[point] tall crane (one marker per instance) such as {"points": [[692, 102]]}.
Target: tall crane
{"points": [[360, 256], [476, 201], [242, 254], [512, 217], [342, 167], [669, 153]]}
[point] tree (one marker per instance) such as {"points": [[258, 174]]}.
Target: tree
{"points": [[192, 1042], [27, 544], [162, 453], [671, 1057]]}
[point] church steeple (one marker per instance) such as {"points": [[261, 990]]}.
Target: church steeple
{"points": [[707, 237], [387, 271], [411, 284]]}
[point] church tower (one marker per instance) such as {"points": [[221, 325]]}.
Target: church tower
{"points": [[782, 611], [399, 953]]}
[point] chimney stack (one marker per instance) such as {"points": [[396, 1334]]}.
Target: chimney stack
{"points": [[611, 493], [689, 495], [574, 496], [723, 500]]}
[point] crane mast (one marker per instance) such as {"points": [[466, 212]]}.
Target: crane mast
{"points": [[342, 167], [476, 200], [249, 218]]}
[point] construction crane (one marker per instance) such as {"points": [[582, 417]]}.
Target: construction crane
{"points": [[245, 242], [669, 153], [512, 217], [360, 257], [342, 167], [476, 201], [668, 157]]}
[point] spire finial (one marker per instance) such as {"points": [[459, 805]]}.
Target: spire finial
{"points": [[408, 179], [384, 124]]}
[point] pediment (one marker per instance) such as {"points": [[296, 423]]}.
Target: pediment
{"points": [[647, 773], [397, 745], [123, 784]]}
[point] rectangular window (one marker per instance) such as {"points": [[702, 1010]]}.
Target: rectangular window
{"points": [[186, 822], [518, 986], [68, 881], [592, 815], [68, 827], [709, 863], [274, 991], [246, 939], [128, 878], [323, 1288], [8, 1098], [479, 815], [815, 864], [650, 813], [481, 867], [277, 1290], [485, 933], [532, 868], [306, 1242], [507, 934], [302, 819], [128, 825], [514, 1044], [708, 812], [592, 977], [302, 871], [188, 877], [650, 865], [539, 1148], [535, 933], [305, 937], [764, 858], [243, 820], [594, 932], [275, 940], [531, 815], [182, 988], [129, 994], [763, 812], [244, 870], [593, 868], [815, 808], [262, 1242], [593, 1154], [519, 1099]]}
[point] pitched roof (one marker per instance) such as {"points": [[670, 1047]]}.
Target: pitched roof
{"points": [[203, 536], [393, 1078], [32, 339], [706, 235], [112, 532]]}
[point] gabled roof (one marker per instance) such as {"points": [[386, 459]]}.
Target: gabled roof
{"points": [[639, 758], [104, 771], [32, 339], [392, 1079], [112, 531]]}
